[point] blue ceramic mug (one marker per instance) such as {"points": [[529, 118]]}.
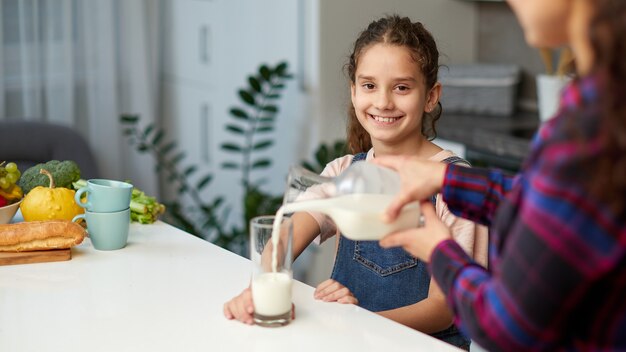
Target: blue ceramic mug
{"points": [[107, 231], [105, 195]]}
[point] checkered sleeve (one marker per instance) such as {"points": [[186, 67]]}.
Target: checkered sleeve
{"points": [[474, 193]]}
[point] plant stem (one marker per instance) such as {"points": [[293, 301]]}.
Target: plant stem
{"points": [[247, 155]]}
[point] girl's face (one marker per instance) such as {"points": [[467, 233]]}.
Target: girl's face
{"points": [[389, 95], [545, 23]]}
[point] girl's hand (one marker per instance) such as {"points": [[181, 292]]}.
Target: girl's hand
{"points": [[420, 180], [240, 307], [332, 291], [420, 241]]}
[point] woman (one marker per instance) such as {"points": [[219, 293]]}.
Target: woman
{"points": [[557, 277]]}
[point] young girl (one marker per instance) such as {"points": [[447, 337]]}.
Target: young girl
{"points": [[558, 239], [395, 103]]}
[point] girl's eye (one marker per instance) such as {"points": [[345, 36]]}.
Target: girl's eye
{"points": [[402, 88], [368, 86]]}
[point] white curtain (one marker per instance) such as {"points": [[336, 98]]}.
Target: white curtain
{"points": [[82, 63]]}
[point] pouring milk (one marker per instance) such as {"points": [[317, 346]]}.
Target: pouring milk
{"points": [[356, 201]]}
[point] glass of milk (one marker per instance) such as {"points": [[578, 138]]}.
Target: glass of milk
{"points": [[272, 277]]}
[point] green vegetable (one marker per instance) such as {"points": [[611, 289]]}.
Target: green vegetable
{"points": [[79, 184], [144, 209], [63, 172]]}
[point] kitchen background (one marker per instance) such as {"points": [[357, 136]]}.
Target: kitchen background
{"points": [[178, 64]]}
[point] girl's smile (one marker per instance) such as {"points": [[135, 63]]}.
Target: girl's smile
{"points": [[384, 120]]}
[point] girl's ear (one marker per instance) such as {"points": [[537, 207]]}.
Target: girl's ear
{"points": [[433, 97]]}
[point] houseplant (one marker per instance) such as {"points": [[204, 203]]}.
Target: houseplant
{"points": [[251, 125]]}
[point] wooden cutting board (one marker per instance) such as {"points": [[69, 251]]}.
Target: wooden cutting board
{"points": [[53, 255]]}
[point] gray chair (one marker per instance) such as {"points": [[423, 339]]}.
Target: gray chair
{"points": [[28, 143]]}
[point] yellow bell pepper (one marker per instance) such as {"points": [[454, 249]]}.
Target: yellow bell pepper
{"points": [[13, 193]]}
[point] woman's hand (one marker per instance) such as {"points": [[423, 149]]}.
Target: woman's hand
{"points": [[332, 291], [420, 241], [420, 180], [240, 307]]}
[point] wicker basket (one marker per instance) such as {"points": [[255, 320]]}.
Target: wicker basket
{"points": [[486, 89]]}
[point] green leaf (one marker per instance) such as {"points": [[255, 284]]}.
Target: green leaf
{"points": [[255, 84], [262, 163], [308, 166], [232, 147], [263, 145], [182, 188], [272, 96], [247, 97], [190, 170], [230, 165], [264, 129], [340, 148], [281, 68], [177, 158], [239, 113], [129, 119], [278, 86], [157, 137], [142, 148], [286, 76], [167, 148], [322, 154], [148, 130], [266, 119], [270, 108], [265, 72], [235, 129], [217, 202], [204, 181]]}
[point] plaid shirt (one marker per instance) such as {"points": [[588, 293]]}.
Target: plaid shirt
{"points": [[557, 277]]}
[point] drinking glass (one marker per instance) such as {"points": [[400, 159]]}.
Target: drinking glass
{"points": [[272, 275]]}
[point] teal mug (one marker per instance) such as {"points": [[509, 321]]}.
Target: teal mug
{"points": [[105, 195], [107, 231]]}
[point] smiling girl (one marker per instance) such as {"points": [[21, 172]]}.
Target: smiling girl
{"points": [[395, 104]]}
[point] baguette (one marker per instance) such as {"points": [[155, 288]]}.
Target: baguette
{"points": [[40, 235]]}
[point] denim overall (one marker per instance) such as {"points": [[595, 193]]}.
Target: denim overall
{"points": [[383, 279]]}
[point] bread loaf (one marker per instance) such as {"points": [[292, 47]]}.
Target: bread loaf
{"points": [[40, 235]]}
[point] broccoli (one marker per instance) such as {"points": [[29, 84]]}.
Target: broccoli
{"points": [[63, 172]]}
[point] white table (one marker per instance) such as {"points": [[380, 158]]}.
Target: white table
{"points": [[165, 292]]}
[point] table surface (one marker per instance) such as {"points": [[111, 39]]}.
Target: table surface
{"points": [[165, 292]]}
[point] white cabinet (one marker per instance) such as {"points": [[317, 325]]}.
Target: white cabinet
{"points": [[189, 37], [210, 48]]}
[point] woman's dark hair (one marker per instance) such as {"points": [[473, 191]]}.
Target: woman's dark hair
{"points": [[607, 33], [400, 31]]}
